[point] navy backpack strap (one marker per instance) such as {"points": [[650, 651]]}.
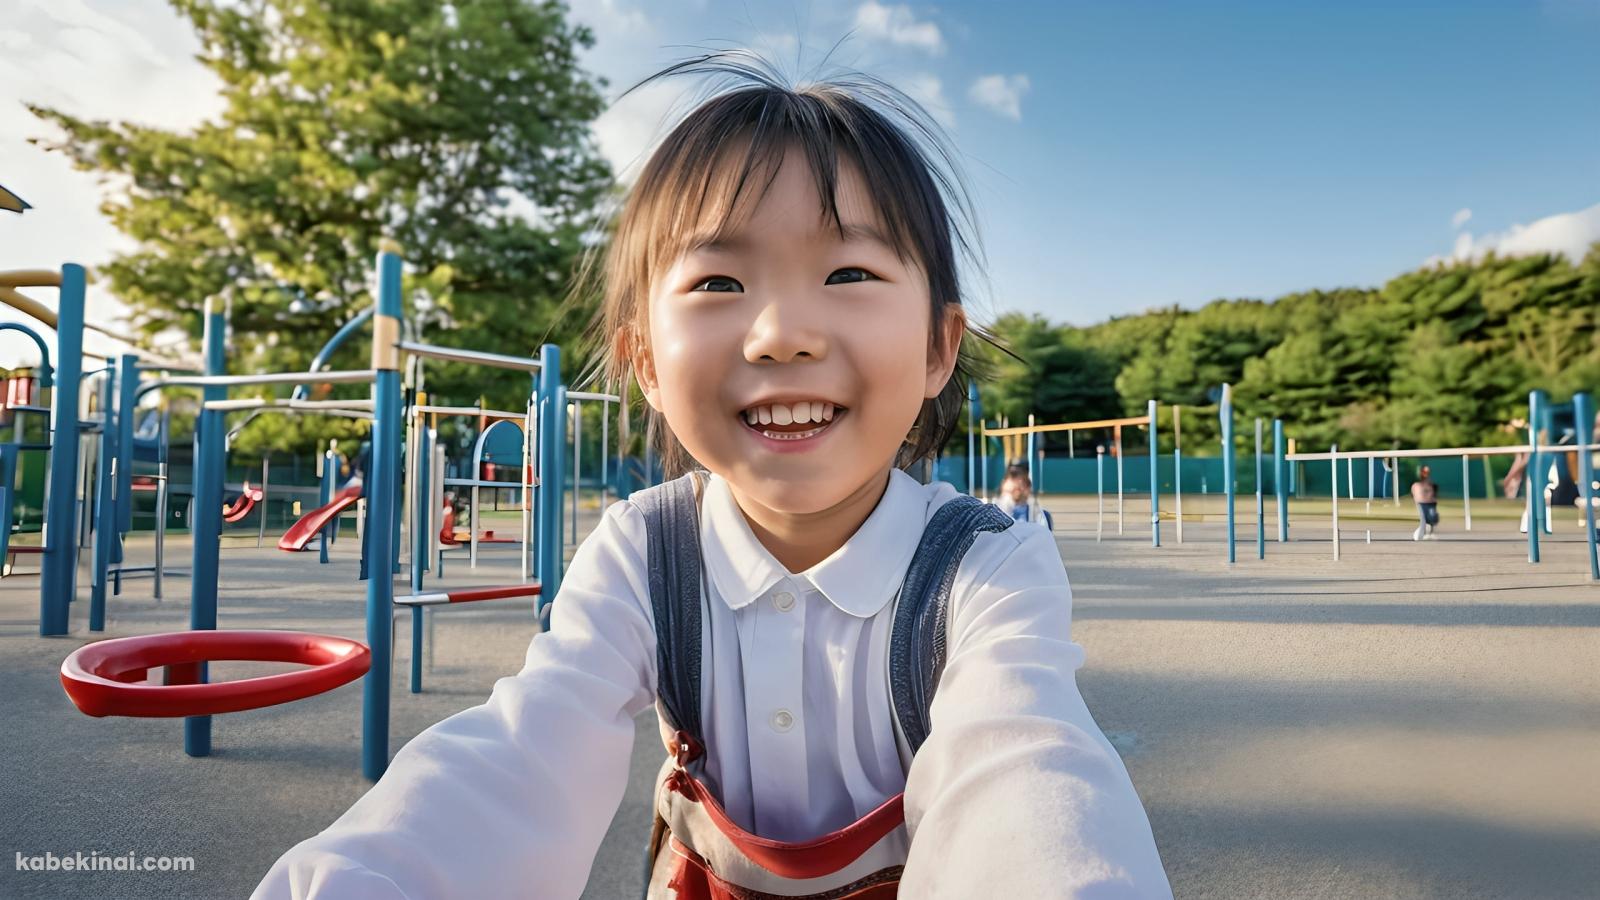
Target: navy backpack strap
{"points": [[917, 642], [672, 529]]}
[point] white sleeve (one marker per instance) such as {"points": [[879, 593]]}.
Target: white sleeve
{"points": [[511, 798], [1016, 792]]}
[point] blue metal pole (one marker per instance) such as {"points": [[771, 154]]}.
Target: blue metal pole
{"points": [[423, 508], [1227, 460], [559, 520], [127, 409], [330, 472], [1583, 413], [552, 431], [1280, 483], [1155, 485], [44, 350], [104, 512], [1261, 506], [339, 337], [1535, 476], [57, 581], [422, 518], [205, 524], [381, 513]]}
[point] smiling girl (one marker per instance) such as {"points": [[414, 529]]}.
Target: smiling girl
{"points": [[865, 684]]}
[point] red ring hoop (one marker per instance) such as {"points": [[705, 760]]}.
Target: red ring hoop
{"points": [[100, 677]]}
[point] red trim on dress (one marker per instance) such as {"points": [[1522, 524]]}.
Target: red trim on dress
{"points": [[812, 859]]}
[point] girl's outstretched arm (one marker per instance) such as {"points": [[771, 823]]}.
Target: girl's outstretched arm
{"points": [[511, 798], [1016, 792]]}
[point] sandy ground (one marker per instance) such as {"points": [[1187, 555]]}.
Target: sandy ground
{"points": [[1416, 720]]}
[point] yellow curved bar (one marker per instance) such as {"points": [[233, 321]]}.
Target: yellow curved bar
{"points": [[13, 298], [30, 278]]}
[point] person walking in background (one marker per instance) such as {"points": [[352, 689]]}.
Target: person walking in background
{"points": [[1426, 495]]}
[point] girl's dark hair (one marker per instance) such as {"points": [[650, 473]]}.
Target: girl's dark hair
{"points": [[725, 154]]}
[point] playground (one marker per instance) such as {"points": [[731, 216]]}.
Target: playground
{"points": [[1411, 721], [1310, 699]]}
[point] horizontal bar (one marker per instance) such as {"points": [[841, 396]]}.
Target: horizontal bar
{"points": [[456, 354], [291, 404], [589, 395], [470, 595], [358, 376], [468, 411], [477, 482], [1069, 426], [30, 278], [1447, 453]]}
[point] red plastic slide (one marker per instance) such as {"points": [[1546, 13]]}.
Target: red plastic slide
{"points": [[308, 527], [241, 507]]}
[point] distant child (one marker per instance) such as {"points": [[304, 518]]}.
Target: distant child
{"points": [[1016, 497], [1426, 495], [782, 284]]}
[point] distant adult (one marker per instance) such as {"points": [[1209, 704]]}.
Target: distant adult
{"points": [[1426, 495]]}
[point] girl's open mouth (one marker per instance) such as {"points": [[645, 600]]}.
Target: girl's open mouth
{"points": [[792, 423]]}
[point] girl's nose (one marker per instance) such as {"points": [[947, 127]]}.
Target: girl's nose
{"points": [[784, 333]]}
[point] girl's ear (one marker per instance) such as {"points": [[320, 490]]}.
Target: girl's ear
{"points": [[644, 367], [946, 347]]}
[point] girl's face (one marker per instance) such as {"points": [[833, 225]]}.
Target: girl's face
{"points": [[821, 339]]}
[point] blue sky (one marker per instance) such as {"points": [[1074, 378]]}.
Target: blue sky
{"points": [[1179, 152], [1123, 155]]}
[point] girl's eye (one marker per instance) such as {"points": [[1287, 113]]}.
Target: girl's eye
{"points": [[718, 284], [850, 275]]}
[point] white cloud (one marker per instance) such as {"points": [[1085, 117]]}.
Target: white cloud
{"points": [[629, 128], [898, 25], [1460, 218], [1000, 94], [1569, 234]]}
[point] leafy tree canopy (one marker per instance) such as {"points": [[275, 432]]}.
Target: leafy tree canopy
{"points": [[459, 130]]}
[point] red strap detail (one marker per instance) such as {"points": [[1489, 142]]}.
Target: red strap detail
{"points": [[692, 879], [811, 859]]}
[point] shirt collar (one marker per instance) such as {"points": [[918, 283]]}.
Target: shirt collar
{"points": [[859, 578]]}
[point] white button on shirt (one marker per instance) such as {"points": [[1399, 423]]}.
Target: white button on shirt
{"points": [[1016, 790]]}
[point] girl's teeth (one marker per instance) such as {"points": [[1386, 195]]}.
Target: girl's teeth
{"points": [[798, 413]]}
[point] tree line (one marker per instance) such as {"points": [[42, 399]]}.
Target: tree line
{"points": [[1442, 356]]}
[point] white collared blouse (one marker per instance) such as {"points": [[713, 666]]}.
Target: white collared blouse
{"points": [[1016, 793]]}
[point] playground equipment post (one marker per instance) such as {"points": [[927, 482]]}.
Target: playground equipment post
{"points": [[205, 524], [1280, 484], [58, 576], [1155, 488], [1226, 410], [1583, 413], [1535, 473], [1261, 506]]}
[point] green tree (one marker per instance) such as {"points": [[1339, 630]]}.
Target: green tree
{"points": [[459, 130]]}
